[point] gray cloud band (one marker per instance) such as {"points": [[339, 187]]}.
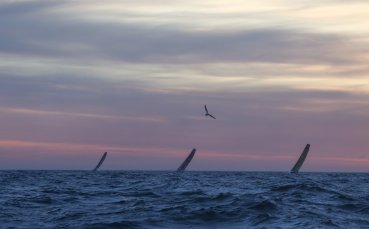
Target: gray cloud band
{"points": [[29, 29]]}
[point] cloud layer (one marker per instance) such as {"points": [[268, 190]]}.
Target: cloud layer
{"points": [[133, 78]]}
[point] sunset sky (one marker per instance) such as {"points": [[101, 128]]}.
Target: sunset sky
{"points": [[78, 78]]}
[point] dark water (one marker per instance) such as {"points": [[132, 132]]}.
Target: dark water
{"points": [[79, 199]]}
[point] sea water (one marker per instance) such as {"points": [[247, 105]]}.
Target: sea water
{"points": [[147, 199]]}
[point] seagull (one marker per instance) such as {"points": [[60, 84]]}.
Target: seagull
{"points": [[207, 113]]}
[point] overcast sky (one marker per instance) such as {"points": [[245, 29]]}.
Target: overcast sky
{"points": [[78, 78]]}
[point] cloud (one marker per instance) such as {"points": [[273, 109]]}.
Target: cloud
{"points": [[56, 155], [48, 155], [82, 115], [67, 76], [85, 111], [39, 33]]}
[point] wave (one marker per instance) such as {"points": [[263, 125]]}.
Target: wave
{"points": [[114, 225], [191, 200]]}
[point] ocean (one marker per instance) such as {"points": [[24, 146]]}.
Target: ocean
{"points": [[170, 200]]}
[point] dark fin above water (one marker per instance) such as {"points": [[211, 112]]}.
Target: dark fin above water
{"points": [[186, 162], [301, 160], [100, 162]]}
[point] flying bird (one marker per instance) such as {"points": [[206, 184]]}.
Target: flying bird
{"points": [[207, 113]]}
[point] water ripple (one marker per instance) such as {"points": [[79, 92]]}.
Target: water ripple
{"points": [[234, 200]]}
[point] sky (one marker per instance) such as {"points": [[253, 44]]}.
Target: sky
{"points": [[78, 78]]}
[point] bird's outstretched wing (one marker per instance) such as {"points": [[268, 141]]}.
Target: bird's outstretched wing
{"points": [[211, 116], [206, 109]]}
